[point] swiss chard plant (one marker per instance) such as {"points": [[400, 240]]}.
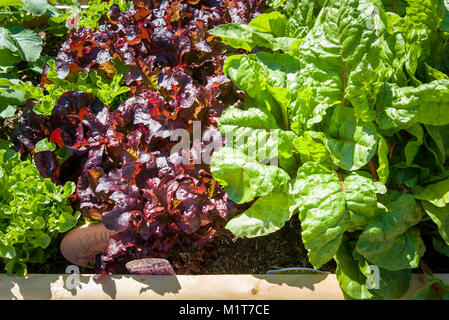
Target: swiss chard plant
{"points": [[344, 126], [34, 211]]}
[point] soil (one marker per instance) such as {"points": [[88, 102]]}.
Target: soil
{"points": [[281, 249]]}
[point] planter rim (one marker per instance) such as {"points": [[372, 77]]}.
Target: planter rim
{"points": [[184, 287]]}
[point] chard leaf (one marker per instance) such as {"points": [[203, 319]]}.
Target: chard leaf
{"points": [[392, 284], [262, 75], [428, 292], [329, 206], [330, 53], [244, 178], [274, 147], [389, 241], [436, 193], [401, 252], [247, 131], [248, 37], [301, 16], [274, 22], [266, 215], [353, 272], [350, 142], [402, 107], [258, 118], [352, 280], [439, 215], [430, 14], [311, 150]]}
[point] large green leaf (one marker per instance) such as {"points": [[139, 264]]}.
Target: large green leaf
{"points": [[248, 37], [266, 215], [36, 7], [274, 147], [439, 215], [301, 16], [352, 280], [257, 118], [436, 193], [334, 49], [244, 178], [262, 76], [274, 22], [353, 272], [401, 107], [28, 41], [329, 206], [350, 142], [311, 149], [431, 14], [389, 241], [255, 133], [9, 51], [429, 293], [391, 285]]}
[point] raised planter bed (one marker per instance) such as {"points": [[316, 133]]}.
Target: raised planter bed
{"points": [[198, 287]]}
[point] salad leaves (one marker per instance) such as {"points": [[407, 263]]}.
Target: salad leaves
{"points": [[33, 212], [358, 90]]}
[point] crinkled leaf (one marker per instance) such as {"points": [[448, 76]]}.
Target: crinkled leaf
{"points": [[436, 193], [244, 178], [329, 206], [330, 53], [266, 215], [389, 241], [428, 292], [439, 215], [350, 142]]}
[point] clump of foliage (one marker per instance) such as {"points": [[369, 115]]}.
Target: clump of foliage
{"points": [[354, 95], [21, 46], [33, 212], [121, 157], [97, 10]]}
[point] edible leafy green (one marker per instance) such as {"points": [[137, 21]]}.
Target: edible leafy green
{"points": [[33, 212], [359, 90]]}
